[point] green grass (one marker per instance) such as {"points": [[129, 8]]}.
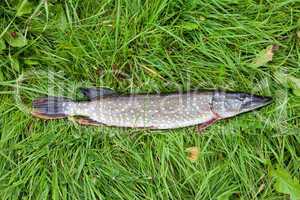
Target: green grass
{"points": [[148, 46]]}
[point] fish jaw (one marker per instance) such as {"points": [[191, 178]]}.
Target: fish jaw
{"points": [[231, 104], [255, 102]]}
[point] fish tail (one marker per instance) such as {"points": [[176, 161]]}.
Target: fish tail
{"points": [[50, 107]]}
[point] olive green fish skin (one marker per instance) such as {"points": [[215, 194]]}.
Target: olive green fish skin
{"points": [[165, 111]]}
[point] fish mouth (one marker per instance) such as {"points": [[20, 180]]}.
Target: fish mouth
{"points": [[256, 102]]}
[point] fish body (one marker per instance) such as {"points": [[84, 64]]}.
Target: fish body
{"points": [[148, 111], [153, 111]]}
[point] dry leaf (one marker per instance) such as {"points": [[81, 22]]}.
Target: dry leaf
{"points": [[298, 34], [193, 153], [265, 56], [261, 188]]}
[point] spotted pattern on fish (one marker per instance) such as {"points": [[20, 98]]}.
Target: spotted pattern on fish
{"points": [[149, 111], [152, 110]]}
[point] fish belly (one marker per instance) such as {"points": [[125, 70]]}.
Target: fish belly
{"points": [[153, 111]]}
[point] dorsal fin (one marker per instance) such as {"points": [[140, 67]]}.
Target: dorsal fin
{"points": [[94, 93]]}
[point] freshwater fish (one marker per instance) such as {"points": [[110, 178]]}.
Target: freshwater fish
{"points": [[151, 111]]}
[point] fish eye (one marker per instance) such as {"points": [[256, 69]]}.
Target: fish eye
{"points": [[242, 97]]}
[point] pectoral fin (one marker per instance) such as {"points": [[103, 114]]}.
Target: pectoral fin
{"points": [[204, 125], [86, 121], [94, 93]]}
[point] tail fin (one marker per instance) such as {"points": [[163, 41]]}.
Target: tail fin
{"points": [[50, 107]]}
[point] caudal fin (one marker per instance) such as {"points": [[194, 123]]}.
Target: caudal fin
{"points": [[50, 107]]}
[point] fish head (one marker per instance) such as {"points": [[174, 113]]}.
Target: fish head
{"points": [[231, 104]]}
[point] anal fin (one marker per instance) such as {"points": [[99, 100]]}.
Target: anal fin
{"points": [[204, 125], [86, 121]]}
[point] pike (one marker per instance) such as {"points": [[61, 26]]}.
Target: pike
{"points": [[153, 111]]}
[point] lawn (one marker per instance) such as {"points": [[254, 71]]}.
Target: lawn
{"points": [[54, 47]]}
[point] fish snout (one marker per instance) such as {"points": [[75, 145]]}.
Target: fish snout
{"points": [[255, 102]]}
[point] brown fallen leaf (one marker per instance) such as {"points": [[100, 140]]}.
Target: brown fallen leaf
{"points": [[261, 188], [193, 153], [265, 56]]}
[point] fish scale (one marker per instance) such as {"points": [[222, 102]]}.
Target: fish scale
{"points": [[154, 111], [148, 111]]}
